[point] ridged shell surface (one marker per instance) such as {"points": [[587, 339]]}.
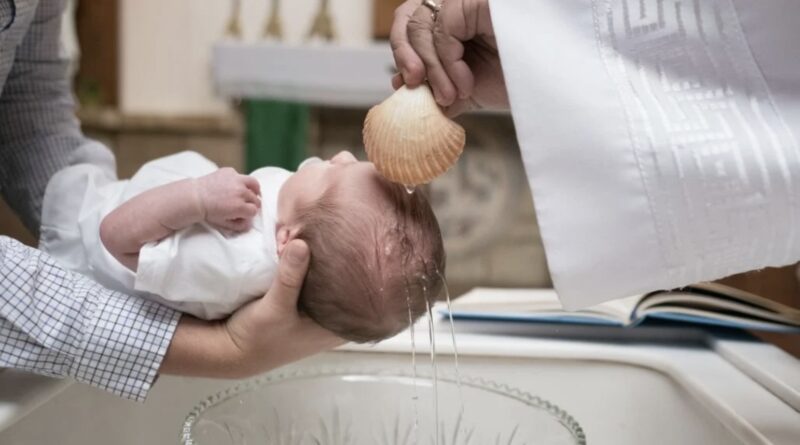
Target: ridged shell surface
{"points": [[409, 139]]}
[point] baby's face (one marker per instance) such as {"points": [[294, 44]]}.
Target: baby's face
{"points": [[357, 182]]}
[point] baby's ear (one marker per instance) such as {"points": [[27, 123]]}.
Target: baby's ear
{"points": [[284, 235]]}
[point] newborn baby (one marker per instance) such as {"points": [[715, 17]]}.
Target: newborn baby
{"points": [[206, 240]]}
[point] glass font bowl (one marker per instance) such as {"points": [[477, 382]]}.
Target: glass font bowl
{"points": [[376, 407]]}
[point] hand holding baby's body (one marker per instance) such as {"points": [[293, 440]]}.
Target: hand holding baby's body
{"points": [[225, 199]]}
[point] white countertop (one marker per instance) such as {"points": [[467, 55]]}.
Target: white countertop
{"points": [[21, 393], [720, 372]]}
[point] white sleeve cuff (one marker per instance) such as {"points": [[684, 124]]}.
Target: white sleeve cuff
{"points": [[153, 268]]}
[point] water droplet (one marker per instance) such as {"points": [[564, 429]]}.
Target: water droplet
{"points": [[434, 366], [453, 336], [413, 364]]}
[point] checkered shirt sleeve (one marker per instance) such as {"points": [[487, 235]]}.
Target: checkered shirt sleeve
{"points": [[52, 321], [61, 324]]}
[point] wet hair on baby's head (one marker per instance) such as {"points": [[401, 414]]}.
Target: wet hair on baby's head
{"points": [[373, 265]]}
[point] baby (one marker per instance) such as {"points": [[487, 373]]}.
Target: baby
{"points": [[206, 240]]}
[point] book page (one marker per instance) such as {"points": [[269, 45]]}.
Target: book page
{"points": [[692, 315], [539, 304], [737, 294], [716, 297], [711, 306]]}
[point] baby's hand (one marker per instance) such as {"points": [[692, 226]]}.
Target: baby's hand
{"points": [[229, 200]]}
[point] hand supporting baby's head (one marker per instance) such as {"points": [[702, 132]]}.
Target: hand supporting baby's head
{"points": [[376, 255]]}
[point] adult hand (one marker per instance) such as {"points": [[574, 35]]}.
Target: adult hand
{"points": [[262, 335], [457, 53]]}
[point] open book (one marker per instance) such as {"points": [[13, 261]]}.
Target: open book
{"points": [[708, 304]]}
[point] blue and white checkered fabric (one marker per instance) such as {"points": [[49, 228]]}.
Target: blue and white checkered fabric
{"points": [[52, 321], [58, 323]]}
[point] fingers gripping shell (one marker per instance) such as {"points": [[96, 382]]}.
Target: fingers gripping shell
{"points": [[409, 139]]}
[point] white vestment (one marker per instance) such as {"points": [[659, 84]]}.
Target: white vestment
{"points": [[660, 137]]}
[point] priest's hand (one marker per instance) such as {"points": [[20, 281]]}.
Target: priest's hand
{"points": [[456, 53]]}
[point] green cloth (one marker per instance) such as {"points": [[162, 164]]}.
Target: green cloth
{"points": [[276, 134]]}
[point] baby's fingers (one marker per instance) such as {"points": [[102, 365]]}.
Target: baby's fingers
{"points": [[252, 184], [245, 210], [239, 224], [251, 198], [238, 217]]}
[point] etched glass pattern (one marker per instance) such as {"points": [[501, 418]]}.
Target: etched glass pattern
{"points": [[362, 407]]}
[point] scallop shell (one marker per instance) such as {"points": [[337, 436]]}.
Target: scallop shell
{"points": [[409, 139]]}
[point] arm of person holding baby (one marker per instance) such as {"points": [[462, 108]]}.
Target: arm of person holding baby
{"points": [[225, 199], [60, 323], [238, 346]]}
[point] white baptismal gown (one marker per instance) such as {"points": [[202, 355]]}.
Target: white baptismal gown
{"points": [[198, 270]]}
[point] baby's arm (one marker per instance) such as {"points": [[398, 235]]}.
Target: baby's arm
{"points": [[224, 199]]}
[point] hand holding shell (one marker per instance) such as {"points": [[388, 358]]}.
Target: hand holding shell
{"points": [[409, 139]]}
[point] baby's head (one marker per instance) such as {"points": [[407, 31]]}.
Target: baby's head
{"points": [[376, 250]]}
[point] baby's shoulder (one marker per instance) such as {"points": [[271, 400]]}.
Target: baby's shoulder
{"points": [[182, 164], [271, 176]]}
